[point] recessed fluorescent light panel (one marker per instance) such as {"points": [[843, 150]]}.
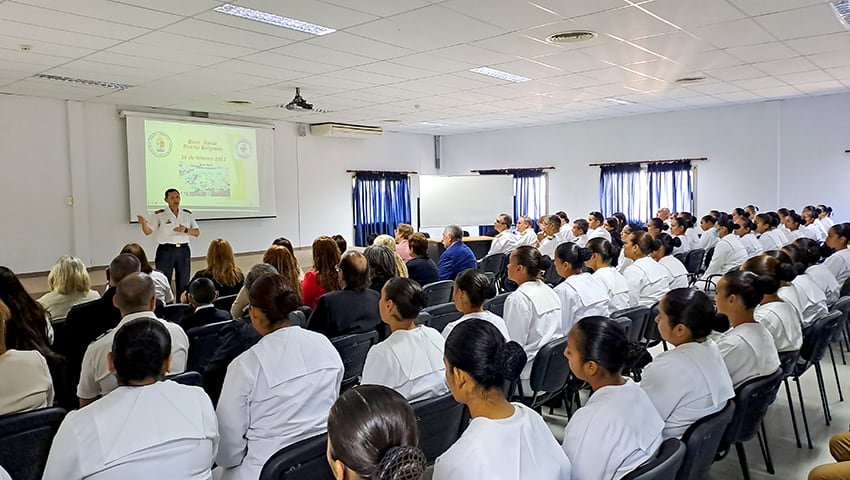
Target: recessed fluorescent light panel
{"points": [[272, 19], [492, 72], [84, 82], [842, 8], [618, 101]]}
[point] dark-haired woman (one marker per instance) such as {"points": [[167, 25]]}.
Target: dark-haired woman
{"points": [[780, 318], [679, 228], [813, 229], [262, 407], [615, 283], [145, 428], [690, 381], [648, 281], [810, 252], [729, 251], [770, 237], [582, 294], [472, 287], [618, 428], [751, 243], [655, 226], [26, 379], [825, 217], [323, 277], [410, 360], [503, 440], [532, 311], [662, 248], [810, 297], [420, 267], [373, 434], [794, 227], [839, 262], [708, 236], [748, 348]]}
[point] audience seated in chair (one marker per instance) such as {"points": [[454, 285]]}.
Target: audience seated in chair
{"points": [[146, 428], [382, 266], [323, 277], [135, 298], [26, 378], [69, 285], [471, 289], [420, 267], [389, 242], [839, 448], [221, 269], [163, 285], [201, 295], [457, 257]]}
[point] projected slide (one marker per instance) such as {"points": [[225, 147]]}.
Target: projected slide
{"points": [[213, 166]]}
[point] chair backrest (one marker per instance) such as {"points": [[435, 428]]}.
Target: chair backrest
{"points": [[694, 260], [702, 440], [787, 362], [424, 318], [550, 370], [203, 342], [441, 421], [494, 263], [707, 257], [175, 312], [225, 302], [305, 460], [442, 315], [682, 257], [353, 349], [638, 316], [438, 292], [25, 440], [193, 379], [551, 276], [650, 329], [497, 304], [842, 305], [298, 317], [816, 339], [845, 289], [751, 402], [626, 322], [663, 465]]}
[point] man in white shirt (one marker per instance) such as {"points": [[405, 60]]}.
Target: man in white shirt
{"points": [[580, 228], [595, 221], [664, 214], [135, 298], [505, 240], [525, 235]]}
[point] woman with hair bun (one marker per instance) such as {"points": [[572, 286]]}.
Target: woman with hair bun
{"points": [[679, 228], [618, 428], [770, 237], [262, 406], [690, 381], [745, 233], [472, 287], [811, 297], [780, 318], [729, 251], [662, 248], [533, 310], [794, 227], [582, 294], [812, 228], [503, 440], [820, 276], [825, 217], [648, 281], [410, 360], [747, 348], [602, 252], [655, 226], [839, 262], [373, 434]]}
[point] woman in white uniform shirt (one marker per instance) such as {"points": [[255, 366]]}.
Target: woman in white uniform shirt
{"points": [[615, 283], [532, 311], [648, 280], [410, 360], [372, 433], [729, 251], [26, 378], [748, 348], [810, 254], [690, 381], [770, 238], [472, 287], [146, 428], [825, 217], [622, 261], [280, 390], [503, 440], [745, 233], [810, 218], [679, 228], [794, 224], [780, 318], [663, 247], [810, 297], [582, 294], [839, 262], [618, 428]]}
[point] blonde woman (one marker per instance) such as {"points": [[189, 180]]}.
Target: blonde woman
{"points": [[221, 269], [69, 284], [389, 242], [402, 234]]}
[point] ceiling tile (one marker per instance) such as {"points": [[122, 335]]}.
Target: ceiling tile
{"points": [[44, 48], [708, 60], [431, 62], [574, 61], [821, 88], [224, 34], [840, 73], [518, 45], [619, 53], [44, 34], [789, 65], [741, 72], [395, 70], [251, 26], [675, 45], [276, 60], [576, 8], [733, 34], [833, 42], [738, 97], [135, 49], [183, 7], [380, 8], [831, 60], [797, 79], [366, 47], [689, 14], [109, 11], [757, 84], [166, 40], [257, 70], [309, 52], [31, 58], [319, 13], [627, 23], [802, 22], [778, 92], [529, 69], [43, 17], [508, 14], [761, 7], [762, 52]]}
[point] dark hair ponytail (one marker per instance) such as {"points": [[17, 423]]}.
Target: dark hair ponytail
{"points": [[667, 242], [644, 241], [770, 219], [809, 250], [573, 255], [657, 223], [748, 286], [606, 250], [726, 222], [275, 297], [530, 258], [478, 348], [476, 285], [604, 341], [407, 296], [693, 309]]}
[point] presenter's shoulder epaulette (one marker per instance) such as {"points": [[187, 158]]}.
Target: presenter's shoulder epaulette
{"points": [[157, 212], [187, 210]]}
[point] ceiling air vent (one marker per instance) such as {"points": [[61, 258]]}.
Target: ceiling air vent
{"points": [[574, 36], [689, 80]]}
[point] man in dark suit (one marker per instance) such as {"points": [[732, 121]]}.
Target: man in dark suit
{"points": [[354, 309], [457, 257], [202, 293]]}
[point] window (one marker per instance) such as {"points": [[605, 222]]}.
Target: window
{"points": [[381, 202], [639, 191]]}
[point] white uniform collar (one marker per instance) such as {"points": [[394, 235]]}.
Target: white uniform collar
{"points": [[542, 297]]}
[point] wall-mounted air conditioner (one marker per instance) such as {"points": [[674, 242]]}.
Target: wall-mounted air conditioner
{"points": [[344, 131]]}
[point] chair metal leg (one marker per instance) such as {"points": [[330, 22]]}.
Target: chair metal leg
{"points": [[742, 459], [803, 411], [793, 416], [823, 398], [765, 450], [835, 371]]}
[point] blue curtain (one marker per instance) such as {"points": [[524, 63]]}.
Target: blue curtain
{"points": [[381, 202], [529, 193], [619, 191], [670, 186]]}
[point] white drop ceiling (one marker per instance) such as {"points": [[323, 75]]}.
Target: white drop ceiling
{"points": [[408, 60]]}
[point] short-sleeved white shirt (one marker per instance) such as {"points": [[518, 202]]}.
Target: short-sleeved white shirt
{"points": [[165, 221]]}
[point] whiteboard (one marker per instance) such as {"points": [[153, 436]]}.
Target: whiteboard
{"points": [[464, 200]]}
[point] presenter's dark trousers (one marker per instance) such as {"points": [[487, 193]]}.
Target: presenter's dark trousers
{"points": [[171, 258]]}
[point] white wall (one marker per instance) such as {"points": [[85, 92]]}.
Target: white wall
{"points": [[53, 149]]}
